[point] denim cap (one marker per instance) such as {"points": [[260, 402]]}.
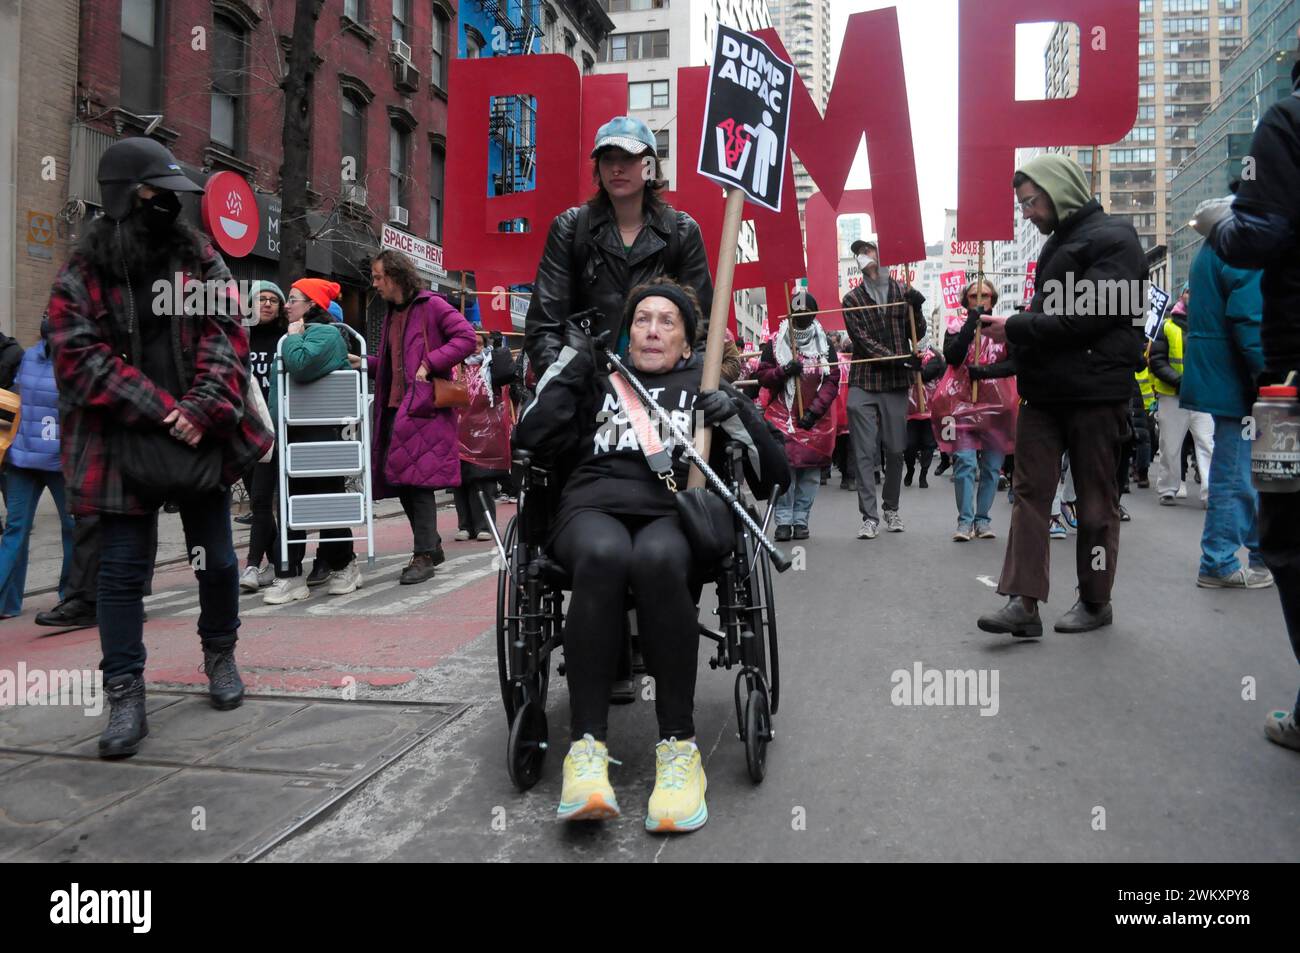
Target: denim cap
{"points": [[627, 133]]}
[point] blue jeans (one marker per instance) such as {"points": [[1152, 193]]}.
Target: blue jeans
{"points": [[1232, 510], [125, 568], [973, 508], [25, 488], [795, 504]]}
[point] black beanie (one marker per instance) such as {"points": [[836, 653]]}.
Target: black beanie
{"points": [[673, 293]]}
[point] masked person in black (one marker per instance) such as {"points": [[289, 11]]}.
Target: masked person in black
{"points": [[151, 401], [617, 528], [623, 236]]}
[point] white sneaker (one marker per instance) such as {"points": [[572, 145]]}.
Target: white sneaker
{"points": [[462, 535], [893, 522], [266, 575], [1182, 492], [343, 581], [284, 591], [484, 536], [250, 580], [1258, 578], [869, 530]]}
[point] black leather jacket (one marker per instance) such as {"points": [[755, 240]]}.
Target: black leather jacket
{"points": [[564, 287]]}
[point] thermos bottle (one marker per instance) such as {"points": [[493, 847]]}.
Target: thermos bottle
{"points": [[1275, 453]]}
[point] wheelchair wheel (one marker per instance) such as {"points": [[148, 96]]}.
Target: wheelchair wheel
{"points": [[505, 585], [758, 732], [526, 746], [769, 629]]}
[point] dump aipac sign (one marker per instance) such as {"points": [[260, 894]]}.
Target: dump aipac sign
{"points": [[747, 119]]}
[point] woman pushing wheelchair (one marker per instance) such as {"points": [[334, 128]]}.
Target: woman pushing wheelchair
{"points": [[617, 530]]}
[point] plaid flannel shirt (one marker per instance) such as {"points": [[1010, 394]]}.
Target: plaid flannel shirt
{"points": [[100, 389], [879, 332]]}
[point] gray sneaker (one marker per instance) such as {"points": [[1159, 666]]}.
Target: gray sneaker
{"points": [[1233, 580], [1281, 728], [870, 530], [893, 522], [1258, 578]]}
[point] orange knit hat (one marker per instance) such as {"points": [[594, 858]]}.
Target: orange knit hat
{"points": [[319, 290]]}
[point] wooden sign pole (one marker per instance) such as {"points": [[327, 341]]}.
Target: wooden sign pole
{"points": [[718, 319]]}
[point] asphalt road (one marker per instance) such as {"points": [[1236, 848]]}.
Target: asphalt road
{"points": [[1131, 744]]}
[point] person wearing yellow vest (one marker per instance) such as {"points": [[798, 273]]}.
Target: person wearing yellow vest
{"points": [[1175, 420]]}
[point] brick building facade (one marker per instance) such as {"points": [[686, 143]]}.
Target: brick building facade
{"points": [[211, 69]]}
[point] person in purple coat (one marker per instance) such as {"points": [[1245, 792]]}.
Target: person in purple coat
{"points": [[414, 454], [801, 382]]}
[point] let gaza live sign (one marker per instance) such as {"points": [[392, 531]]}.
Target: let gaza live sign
{"points": [[229, 211], [747, 119]]}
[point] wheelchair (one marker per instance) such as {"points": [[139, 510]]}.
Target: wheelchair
{"points": [[530, 622]]}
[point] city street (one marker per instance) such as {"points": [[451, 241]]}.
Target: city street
{"points": [[1131, 744]]}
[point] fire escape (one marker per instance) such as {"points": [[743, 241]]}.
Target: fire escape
{"points": [[513, 123]]}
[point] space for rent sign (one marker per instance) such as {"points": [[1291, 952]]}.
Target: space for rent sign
{"points": [[747, 118]]}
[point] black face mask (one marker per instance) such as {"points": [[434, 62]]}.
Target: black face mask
{"points": [[160, 211]]}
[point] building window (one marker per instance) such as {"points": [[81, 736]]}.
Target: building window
{"points": [[398, 151], [141, 81], [352, 137], [475, 43], [401, 21], [661, 143], [621, 47], [652, 95], [626, 6], [437, 175], [441, 41], [229, 43], [355, 10]]}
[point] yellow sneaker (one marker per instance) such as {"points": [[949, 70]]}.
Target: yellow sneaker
{"points": [[677, 802], [587, 794]]}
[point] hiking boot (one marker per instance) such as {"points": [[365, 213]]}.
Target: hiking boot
{"points": [[419, 569], [1015, 618], [127, 725], [1085, 617], [69, 614], [225, 687]]}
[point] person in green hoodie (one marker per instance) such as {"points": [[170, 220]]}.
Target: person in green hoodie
{"points": [[1076, 348], [314, 347]]}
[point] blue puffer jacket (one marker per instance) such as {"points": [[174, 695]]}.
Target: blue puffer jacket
{"points": [[36, 445], [1223, 354]]}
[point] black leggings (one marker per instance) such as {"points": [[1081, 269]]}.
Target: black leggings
{"points": [[607, 555], [264, 540], [920, 443]]}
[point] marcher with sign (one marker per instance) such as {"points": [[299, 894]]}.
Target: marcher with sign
{"points": [[802, 381], [878, 315], [1260, 228], [624, 236]]}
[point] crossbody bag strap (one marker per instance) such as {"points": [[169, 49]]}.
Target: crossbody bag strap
{"points": [[647, 437]]}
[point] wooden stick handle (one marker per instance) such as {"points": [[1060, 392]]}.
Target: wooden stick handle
{"points": [[718, 320]]}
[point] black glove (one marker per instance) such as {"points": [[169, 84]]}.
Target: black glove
{"points": [[914, 298], [715, 406], [913, 363], [794, 368], [808, 421], [977, 372]]}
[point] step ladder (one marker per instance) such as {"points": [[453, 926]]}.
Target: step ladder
{"points": [[341, 398]]}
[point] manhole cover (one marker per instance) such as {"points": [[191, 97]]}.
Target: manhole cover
{"points": [[206, 786]]}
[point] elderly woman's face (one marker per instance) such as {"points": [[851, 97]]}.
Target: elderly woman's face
{"points": [[658, 338]]}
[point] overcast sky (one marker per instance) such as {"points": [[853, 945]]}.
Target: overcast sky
{"points": [[928, 30]]}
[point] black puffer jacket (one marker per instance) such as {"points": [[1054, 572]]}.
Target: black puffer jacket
{"points": [[1066, 357], [569, 281]]}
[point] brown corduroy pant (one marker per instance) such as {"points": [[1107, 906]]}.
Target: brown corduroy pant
{"points": [[1092, 434]]}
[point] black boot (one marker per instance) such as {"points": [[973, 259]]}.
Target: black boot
{"points": [[225, 687], [1085, 617], [1015, 618], [127, 726], [924, 483], [69, 614], [907, 476]]}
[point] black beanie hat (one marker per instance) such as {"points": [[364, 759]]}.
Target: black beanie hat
{"points": [[674, 293]]}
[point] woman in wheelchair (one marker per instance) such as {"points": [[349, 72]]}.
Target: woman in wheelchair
{"points": [[617, 530]]}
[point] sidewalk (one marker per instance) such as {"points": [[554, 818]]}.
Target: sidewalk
{"points": [[45, 554]]}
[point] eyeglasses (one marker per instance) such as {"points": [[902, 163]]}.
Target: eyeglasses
{"points": [[1028, 203], [295, 299]]}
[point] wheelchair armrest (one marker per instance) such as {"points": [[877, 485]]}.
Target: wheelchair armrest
{"points": [[523, 458]]}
